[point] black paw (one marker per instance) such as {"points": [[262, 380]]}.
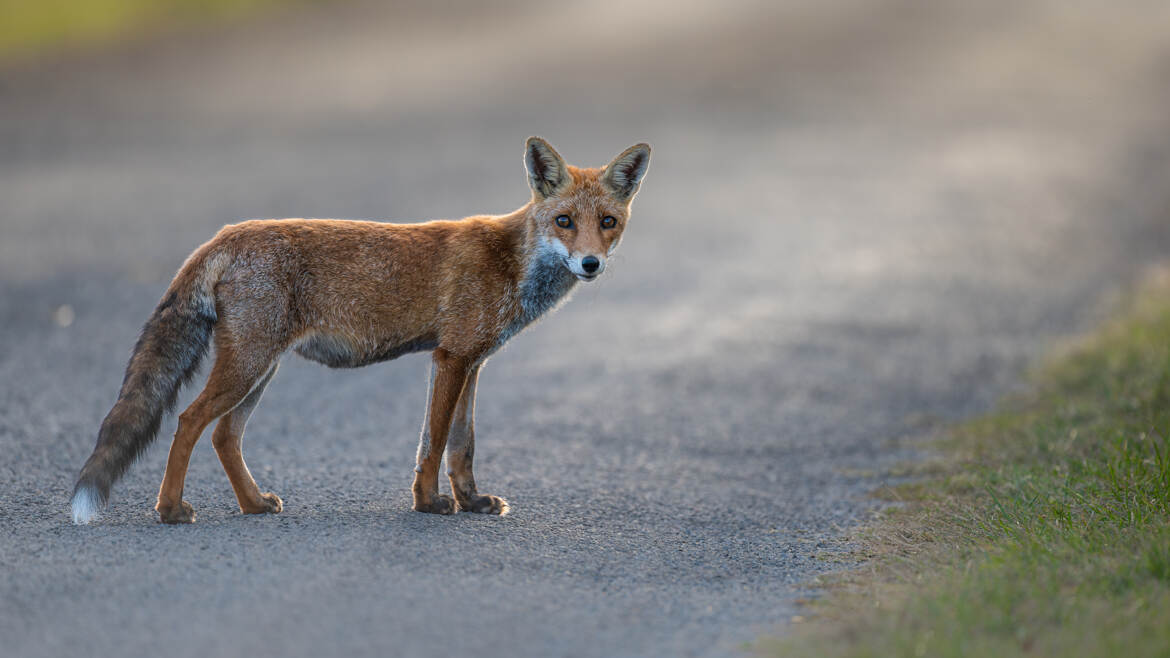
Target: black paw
{"points": [[484, 504], [438, 504], [181, 513]]}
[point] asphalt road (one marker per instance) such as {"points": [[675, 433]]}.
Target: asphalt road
{"points": [[861, 220]]}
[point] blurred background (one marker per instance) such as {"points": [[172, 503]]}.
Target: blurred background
{"points": [[862, 218]]}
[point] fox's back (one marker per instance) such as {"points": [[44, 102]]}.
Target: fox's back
{"points": [[355, 292]]}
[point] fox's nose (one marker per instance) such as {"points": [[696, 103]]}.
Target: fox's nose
{"points": [[590, 264]]}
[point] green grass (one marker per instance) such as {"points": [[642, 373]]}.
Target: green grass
{"points": [[37, 26], [1043, 531]]}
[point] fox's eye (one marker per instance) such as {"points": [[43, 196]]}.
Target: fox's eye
{"points": [[608, 222], [564, 221]]}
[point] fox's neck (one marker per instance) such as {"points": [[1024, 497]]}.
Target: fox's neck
{"points": [[544, 281]]}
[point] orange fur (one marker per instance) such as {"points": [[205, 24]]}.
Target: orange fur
{"points": [[351, 293]]}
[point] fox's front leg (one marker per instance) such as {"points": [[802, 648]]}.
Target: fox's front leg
{"points": [[448, 376], [461, 452]]}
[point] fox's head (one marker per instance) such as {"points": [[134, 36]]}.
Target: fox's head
{"points": [[580, 214]]}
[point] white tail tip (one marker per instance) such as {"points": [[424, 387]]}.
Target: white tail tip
{"points": [[86, 505]]}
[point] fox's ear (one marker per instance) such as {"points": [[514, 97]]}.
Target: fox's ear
{"points": [[547, 173], [624, 174]]}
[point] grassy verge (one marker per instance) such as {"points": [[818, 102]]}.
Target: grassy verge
{"points": [[1044, 530], [37, 26]]}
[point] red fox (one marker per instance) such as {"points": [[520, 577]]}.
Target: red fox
{"points": [[348, 294]]}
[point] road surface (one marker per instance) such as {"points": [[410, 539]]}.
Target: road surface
{"points": [[861, 220]]}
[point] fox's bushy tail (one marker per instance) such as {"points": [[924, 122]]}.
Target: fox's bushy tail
{"points": [[168, 352]]}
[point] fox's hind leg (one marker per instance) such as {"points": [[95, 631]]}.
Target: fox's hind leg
{"points": [[461, 454], [227, 438], [232, 378]]}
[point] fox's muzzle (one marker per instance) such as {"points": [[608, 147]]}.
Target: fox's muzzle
{"points": [[586, 268]]}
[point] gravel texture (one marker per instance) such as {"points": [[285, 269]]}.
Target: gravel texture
{"points": [[861, 220]]}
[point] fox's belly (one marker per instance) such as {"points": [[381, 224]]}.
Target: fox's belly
{"points": [[340, 352]]}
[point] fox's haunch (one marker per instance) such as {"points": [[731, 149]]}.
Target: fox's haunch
{"points": [[172, 343]]}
